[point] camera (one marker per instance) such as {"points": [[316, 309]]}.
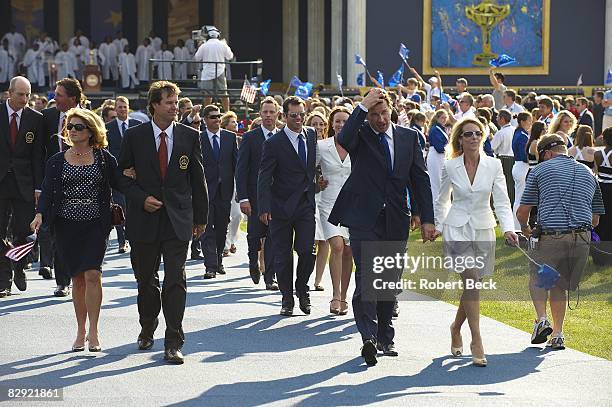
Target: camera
{"points": [[203, 34]]}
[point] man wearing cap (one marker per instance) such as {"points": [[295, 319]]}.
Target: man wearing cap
{"points": [[569, 204], [212, 77], [466, 108]]}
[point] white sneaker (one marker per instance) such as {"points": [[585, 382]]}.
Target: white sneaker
{"points": [[541, 330]]}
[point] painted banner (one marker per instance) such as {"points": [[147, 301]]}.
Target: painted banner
{"points": [[183, 17], [28, 17], [106, 19]]}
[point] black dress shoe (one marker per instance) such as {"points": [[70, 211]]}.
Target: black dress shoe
{"points": [[304, 300], [62, 291], [396, 309], [5, 292], [196, 256], [387, 350], [272, 287], [255, 274], [368, 352], [174, 356], [221, 270], [20, 280], [286, 311], [145, 339], [145, 343], [209, 275], [46, 273]]}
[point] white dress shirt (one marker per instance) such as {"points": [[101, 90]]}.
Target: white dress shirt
{"points": [[388, 134], [293, 138], [10, 112], [502, 141], [169, 137], [120, 123], [211, 135]]}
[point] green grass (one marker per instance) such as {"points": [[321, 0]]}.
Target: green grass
{"points": [[587, 328]]}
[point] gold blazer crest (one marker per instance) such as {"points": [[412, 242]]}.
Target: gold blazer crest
{"points": [[29, 137], [183, 162]]}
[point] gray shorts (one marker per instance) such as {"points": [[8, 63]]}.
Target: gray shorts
{"points": [[568, 254], [209, 85]]}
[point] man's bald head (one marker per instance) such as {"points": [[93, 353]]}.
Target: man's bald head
{"points": [[19, 92]]}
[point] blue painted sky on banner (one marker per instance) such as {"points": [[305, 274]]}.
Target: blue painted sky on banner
{"points": [[456, 39], [105, 19]]}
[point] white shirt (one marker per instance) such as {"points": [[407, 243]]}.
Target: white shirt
{"points": [[211, 135], [213, 50], [120, 123], [461, 115], [388, 134], [267, 132], [293, 138], [169, 137], [60, 126], [10, 112], [502, 141], [514, 109]]}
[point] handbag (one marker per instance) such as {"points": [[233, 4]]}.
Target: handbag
{"points": [[116, 211]]}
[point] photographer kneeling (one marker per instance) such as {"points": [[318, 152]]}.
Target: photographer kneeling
{"points": [[569, 203]]}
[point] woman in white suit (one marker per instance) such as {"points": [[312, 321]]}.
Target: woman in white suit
{"points": [[335, 169], [467, 223]]}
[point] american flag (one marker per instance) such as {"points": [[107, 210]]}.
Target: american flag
{"points": [[19, 252], [248, 92]]}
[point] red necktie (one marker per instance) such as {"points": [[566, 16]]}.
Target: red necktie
{"points": [[13, 129], [162, 153]]}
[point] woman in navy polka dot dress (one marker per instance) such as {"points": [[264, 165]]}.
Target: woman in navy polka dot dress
{"points": [[75, 202]]}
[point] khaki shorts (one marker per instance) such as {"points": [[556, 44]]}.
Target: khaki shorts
{"points": [[568, 254], [219, 81]]}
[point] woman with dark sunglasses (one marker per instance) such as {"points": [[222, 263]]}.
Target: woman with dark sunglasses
{"points": [[75, 203]]}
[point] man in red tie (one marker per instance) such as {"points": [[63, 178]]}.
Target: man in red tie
{"points": [[21, 173], [167, 205]]}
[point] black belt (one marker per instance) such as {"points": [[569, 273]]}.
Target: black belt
{"points": [[564, 232]]}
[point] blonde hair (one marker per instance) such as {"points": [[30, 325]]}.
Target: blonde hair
{"points": [[320, 115], [94, 125], [556, 123], [436, 116], [225, 119], [453, 148]]}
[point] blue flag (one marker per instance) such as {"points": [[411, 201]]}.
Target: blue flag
{"points": [[444, 97], [609, 77], [397, 77], [403, 52], [295, 82], [359, 60], [380, 78], [361, 79], [264, 87], [303, 91], [502, 60]]}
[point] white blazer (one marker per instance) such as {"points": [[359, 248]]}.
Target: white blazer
{"points": [[471, 203]]}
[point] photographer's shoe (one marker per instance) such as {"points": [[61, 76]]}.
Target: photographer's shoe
{"points": [[541, 330]]}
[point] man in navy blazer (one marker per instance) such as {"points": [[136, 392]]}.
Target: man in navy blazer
{"points": [[285, 195], [114, 133], [586, 117], [220, 152], [247, 172], [387, 160]]}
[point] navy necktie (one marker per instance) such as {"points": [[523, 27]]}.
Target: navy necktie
{"points": [[302, 148], [122, 129], [385, 146], [215, 147]]}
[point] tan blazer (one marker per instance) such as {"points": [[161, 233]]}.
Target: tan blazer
{"points": [[471, 203]]}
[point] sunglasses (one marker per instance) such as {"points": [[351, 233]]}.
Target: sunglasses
{"points": [[295, 115], [468, 134], [214, 116], [77, 127]]}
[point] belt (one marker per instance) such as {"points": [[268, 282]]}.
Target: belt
{"points": [[564, 232], [79, 201]]}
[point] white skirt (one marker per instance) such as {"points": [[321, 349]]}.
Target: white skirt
{"points": [[319, 235], [466, 246]]}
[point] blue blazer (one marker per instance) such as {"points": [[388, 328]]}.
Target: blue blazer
{"points": [[113, 134], [247, 167], [220, 174], [284, 180], [370, 188], [53, 193], [438, 138]]}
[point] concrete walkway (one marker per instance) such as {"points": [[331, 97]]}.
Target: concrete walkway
{"points": [[240, 352]]}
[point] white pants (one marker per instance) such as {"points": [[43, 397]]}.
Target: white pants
{"points": [[519, 173], [234, 225]]}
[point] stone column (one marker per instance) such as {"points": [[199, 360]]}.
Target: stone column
{"points": [[66, 20], [356, 39], [221, 17], [145, 20], [608, 44], [291, 40], [316, 41], [336, 40]]}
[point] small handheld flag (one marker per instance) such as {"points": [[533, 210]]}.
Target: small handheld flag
{"points": [[359, 60], [380, 79], [248, 92], [295, 82], [361, 79], [264, 87], [304, 90], [340, 82], [397, 77], [403, 52], [19, 252], [502, 60], [609, 77], [579, 81]]}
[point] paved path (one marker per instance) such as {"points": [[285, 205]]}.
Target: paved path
{"points": [[240, 352]]}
